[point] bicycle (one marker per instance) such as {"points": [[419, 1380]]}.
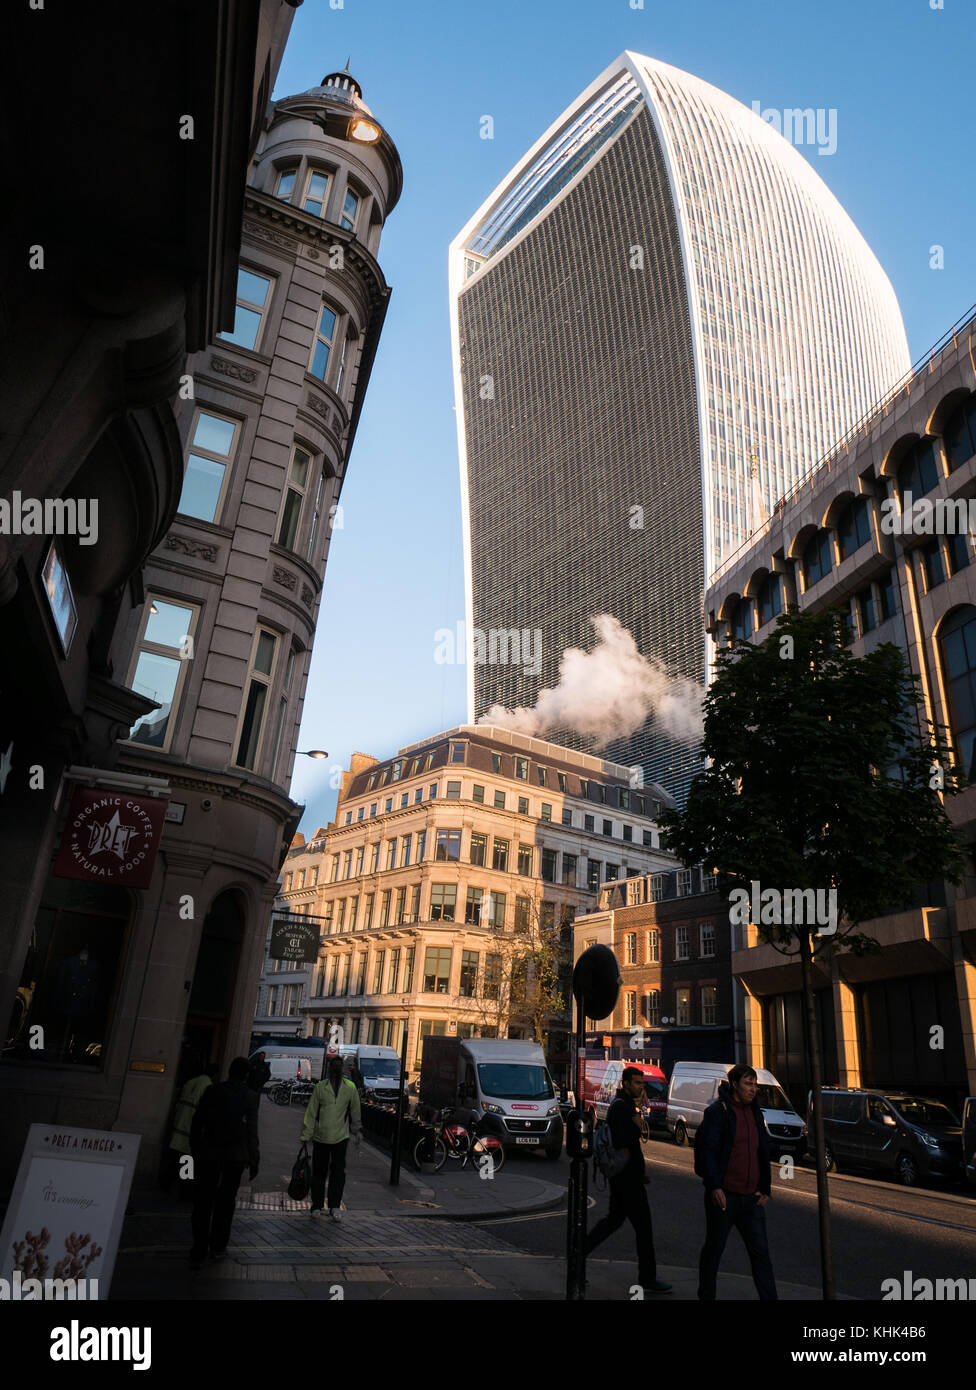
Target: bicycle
{"points": [[455, 1143]]}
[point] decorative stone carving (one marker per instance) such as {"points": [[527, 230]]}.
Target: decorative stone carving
{"points": [[188, 547], [266, 234], [231, 369], [307, 596], [320, 408], [284, 577]]}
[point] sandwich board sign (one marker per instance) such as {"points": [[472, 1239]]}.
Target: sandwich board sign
{"points": [[62, 1228]]}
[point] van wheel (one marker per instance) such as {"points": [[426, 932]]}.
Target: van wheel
{"points": [[830, 1161], [552, 1154], [906, 1170], [680, 1134]]}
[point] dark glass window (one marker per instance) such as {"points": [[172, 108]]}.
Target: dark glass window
{"points": [[957, 641], [932, 563], [740, 620], [960, 434], [818, 557], [864, 600], [549, 865], [918, 472], [854, 527], [588, 822], [889, 595], [957, 546]]}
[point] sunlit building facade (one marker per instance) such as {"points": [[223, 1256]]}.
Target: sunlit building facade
{"points": [[662, 320]]}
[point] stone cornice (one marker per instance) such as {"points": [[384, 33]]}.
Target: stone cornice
{"points": [[287, 227]]}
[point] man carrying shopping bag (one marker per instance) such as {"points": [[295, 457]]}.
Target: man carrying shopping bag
{"points": [[332, 1113]]}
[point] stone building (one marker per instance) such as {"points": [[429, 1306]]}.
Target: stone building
{"points": [[838, 539], [210, 643], [670, 934], [444, 866]]}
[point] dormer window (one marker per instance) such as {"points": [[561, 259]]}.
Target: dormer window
{"points": [[313, 189], [350, 210]]}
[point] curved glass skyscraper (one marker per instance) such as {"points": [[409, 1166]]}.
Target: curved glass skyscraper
{"points": [[662, 320]]}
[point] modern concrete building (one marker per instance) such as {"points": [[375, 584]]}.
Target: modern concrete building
{"points": [[670, 934], [211, 648], [446, 865], [832, 542], [662, 319]]}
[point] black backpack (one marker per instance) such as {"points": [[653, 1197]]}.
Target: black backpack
{"points": [[223, 1115]]}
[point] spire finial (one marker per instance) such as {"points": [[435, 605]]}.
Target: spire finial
{"points": [[346, 68]]}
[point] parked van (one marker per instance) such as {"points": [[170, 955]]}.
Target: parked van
{"points": [[890, 1132], [500, 1084], [373, 1067], [284, 1061], [969, 1140], [694, 1085], [601, 1081]]}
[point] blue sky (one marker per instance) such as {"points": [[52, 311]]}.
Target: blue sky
{"points": [[898, 73]]}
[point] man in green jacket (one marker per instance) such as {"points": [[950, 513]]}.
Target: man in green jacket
{"points": [[330, 1115]]}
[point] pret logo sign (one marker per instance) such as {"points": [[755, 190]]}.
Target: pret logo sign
{"points": [[111, 837]]}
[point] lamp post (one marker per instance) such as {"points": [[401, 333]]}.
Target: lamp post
{"points": [[596, 984], [310, 753]]}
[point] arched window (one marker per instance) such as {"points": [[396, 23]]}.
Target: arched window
{"points": [[740, 620], [918, 472], [854, 527], [957, 642], [770, 598], [960, 434], [818, 557]]}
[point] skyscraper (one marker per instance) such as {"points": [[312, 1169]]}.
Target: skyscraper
{"points": [[662, 319]]}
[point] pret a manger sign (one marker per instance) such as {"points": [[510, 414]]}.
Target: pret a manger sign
{"points": [[111, 837]]}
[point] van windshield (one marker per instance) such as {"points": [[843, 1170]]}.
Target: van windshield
{"points": [[656, 1090], [772, 1098], [923, 1112], [376, 1068], [514, 1081]]}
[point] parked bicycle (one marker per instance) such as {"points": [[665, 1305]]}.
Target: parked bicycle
{"points": [[452, 1142], [285, 1092]]}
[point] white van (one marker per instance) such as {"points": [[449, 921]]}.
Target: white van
{"points": [[502, 1085], [286, 1062], [694, 1085], [288, 1069], [378, 1066]]}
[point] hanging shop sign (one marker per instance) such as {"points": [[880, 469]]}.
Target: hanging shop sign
{"points": [[111, 837], [294, 938]]}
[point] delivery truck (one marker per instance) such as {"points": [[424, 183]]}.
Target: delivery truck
{"points": [[501, 1085], [602, 1079]]}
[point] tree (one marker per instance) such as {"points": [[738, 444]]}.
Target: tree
{"points": [[521, 985], [822, 775]]}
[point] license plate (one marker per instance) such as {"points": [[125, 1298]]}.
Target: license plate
{"points": [[533, 1140]]}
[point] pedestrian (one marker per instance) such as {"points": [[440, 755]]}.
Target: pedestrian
{"points": [[258, 1074], [732, 1158], [628, 1190], [330, 1115], [224, 1140], [179, 1143]]}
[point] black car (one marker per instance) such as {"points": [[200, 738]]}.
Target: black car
{"points": [[890, 1132]]}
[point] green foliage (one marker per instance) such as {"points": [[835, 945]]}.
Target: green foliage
{"points": [[820, 776]]}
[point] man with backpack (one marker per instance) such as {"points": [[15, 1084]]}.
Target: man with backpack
{"points": [[332, 1112], [223, 1140], [628, 1191], [732, 1160]]}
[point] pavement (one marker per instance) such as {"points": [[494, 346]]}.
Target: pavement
{"points": [[433, 1235]]}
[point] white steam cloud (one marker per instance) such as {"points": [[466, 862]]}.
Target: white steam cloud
{"points": [[609, 693]]}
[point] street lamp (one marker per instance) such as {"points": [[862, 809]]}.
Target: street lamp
{"points": [[310, 753]]}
